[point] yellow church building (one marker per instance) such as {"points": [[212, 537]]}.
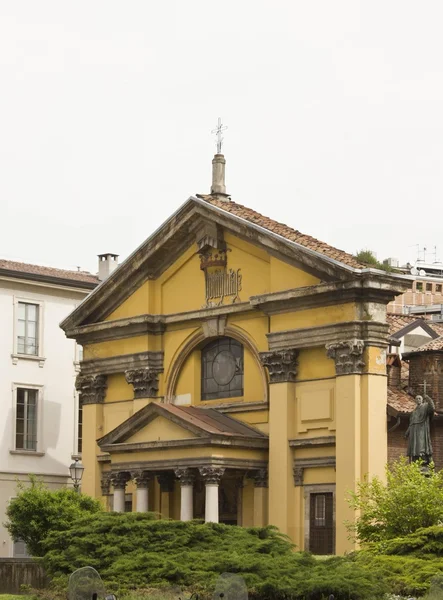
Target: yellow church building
{"points": [[235, 370]]}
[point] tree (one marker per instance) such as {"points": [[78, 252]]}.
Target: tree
{"points": [[407, 501], [367, 257], [38, 511]]}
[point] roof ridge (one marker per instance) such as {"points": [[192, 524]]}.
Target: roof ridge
{"points": [[41, 270]]}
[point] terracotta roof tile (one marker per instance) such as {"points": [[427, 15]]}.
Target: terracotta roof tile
{"points": [[284, 230], [433, 345], [397, 322], [27, 269], [400, 401]]}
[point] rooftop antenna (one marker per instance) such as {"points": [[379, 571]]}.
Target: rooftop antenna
{"points": [[218, 131], [424, 253]]}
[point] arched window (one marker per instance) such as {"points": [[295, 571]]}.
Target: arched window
{"points": [[222, 369]]}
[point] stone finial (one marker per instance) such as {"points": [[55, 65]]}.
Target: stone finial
{"points": [[144, 381], [211, 475], [92, 388], [185, 475], [281, 364], [260, 478], [348, 356]]}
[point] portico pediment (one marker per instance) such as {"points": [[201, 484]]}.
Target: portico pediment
{"points": [[158, 426]]}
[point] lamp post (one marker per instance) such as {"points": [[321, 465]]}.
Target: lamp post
{"points": [[76, 471]]}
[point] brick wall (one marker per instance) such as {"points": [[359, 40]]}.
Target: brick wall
{"points": [[427, 366], [397, 444]]}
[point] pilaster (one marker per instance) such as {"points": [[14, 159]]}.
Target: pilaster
{"points": [[166, 481], [260, 498]]}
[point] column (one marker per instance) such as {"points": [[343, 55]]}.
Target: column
{"points": [[211, 476], [282, 368], [141, 479], [260, 498], [105, 486], [166, 481], [92, 391], [186, 477], [119, 481]]}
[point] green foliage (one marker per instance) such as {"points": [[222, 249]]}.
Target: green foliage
{"points": [[367, 257], [37, 511], [407, 502], [136, 551]]}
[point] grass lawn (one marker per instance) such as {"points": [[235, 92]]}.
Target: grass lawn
{"points": [[10, 597]]}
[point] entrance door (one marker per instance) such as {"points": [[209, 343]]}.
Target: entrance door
{"points": [[321, 524]]}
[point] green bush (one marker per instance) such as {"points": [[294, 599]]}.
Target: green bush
{"points": [[136, 551], [37, 511]]}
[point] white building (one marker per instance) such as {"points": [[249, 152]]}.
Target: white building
{"points": [[40, 429]]}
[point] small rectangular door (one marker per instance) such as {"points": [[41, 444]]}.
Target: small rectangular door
{"points": [[321, 523]]}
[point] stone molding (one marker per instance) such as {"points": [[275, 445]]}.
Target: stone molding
{"points": [[348, 356], [166, 481], [92, 388], [185, 475], [211, 475], [141, 478], [373, 333], [260, 478], [120, 479], [301, 464], [281, 365], [118, 329], [144, 381], [316, 442], [215, 326], [123, 362], [170, 464]]}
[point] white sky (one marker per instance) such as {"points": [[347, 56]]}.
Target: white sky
{"points": [[334, 109]]}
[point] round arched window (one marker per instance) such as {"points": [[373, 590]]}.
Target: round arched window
{"points": [[222, 369]]}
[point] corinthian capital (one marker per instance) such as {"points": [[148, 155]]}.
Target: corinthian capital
{"points": [[144, 381], [211, 475], [348, 356], [92, 388], [281, 364]]}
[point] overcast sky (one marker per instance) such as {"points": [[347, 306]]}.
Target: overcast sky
{"points": [[334, 111]]}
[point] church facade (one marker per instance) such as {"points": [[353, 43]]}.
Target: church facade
{"points": [[235, 370]]}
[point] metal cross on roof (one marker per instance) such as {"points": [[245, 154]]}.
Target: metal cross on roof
{"points": [[218, 131], [423, 385]]}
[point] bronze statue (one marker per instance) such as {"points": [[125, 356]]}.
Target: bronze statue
{"points": [[418, 432]]}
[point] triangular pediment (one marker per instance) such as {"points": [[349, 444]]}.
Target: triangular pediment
{"points": [[178, 234]]}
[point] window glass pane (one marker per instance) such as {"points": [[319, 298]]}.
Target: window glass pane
{"points": [[222, 369], [22, 310], [31, 310], [21, 329]]}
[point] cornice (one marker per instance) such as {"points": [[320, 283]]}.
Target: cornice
{"points": [[361, 288], [373, 333], [122, 363], [118, 329], [316, 442], [217, 441], [247, 464]]}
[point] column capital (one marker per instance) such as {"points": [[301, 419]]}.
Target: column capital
{"points": [[185, 475], [144, 381], [260, 478], [92, 388], [348, 356], [141, 478], [166, 481], [105, 484], [211, 475], [298, 474], [281, 364], [120, 479]]}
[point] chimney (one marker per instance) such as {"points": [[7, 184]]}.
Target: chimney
{"points": [[106, 264], [218, 187]]}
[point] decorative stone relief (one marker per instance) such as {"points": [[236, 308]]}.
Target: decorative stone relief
{"points": [[144, 381], [211, 475], [281, 364], [105, 484], [261, 478], [348, 356], [92, 388], [120, 479], [141, 478], [298, 473], [185, 475]]}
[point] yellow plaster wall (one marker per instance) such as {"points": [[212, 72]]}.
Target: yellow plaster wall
{"points": [[285, 277], [118, 388], [319, 475], [312, 317], [247, 512], [161, 429], [252, 326], [185, 453], [114, 414], [141, 302], [117, 347], [182, 287], [315, 407], [313, 363]]}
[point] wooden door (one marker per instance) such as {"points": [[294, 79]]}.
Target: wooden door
{"points": [[321, 523]]}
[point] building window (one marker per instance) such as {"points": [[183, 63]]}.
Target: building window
{"points": [[80, 429], [438, 288], [128, 502], [419, 286], [222, 369], [429, 287], [28, 323], [26, 419], [320, 510]]}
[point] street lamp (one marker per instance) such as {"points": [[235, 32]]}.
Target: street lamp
{"points": [[76, 471]]}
